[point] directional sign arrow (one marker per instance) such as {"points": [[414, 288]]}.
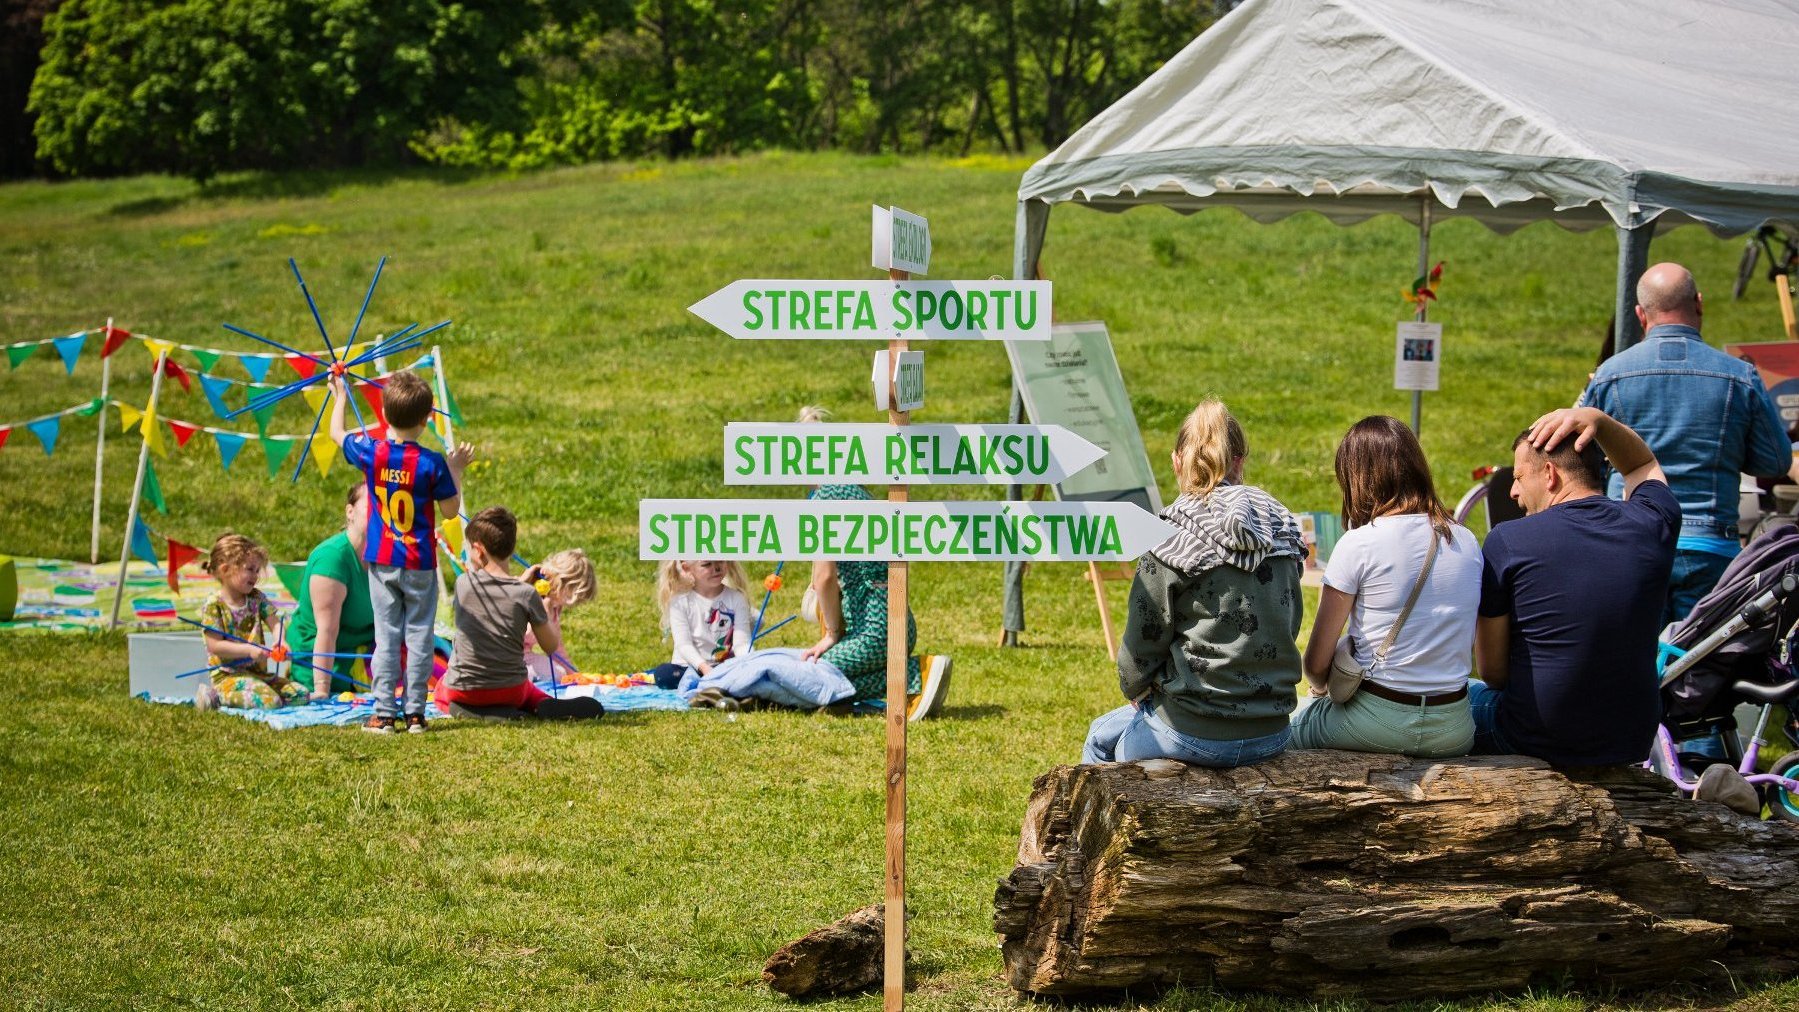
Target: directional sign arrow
{"points": [[881, 310], [821, 454], [866, 530]]}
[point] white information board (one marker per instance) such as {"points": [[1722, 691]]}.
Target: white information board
{"points": [[1417, 355]]}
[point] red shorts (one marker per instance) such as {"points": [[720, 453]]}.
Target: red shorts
{"points": [[523, 696]]}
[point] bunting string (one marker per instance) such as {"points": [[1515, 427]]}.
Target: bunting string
{"points": [[255, 364]]}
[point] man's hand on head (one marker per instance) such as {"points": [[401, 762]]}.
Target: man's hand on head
{"points": [[1547, 432]]}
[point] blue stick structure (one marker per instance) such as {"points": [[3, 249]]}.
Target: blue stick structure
{"points": [[316, 318], [277, 344], [754, 636], [240, 639], [306, 448], [766, 594], [365, 302]]}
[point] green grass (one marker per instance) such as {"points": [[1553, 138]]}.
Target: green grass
{"points": [[154, 857]]}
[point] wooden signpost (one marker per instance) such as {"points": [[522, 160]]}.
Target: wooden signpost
{"points": [[897, 311]]}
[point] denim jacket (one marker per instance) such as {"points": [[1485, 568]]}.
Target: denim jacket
{"points": [[1705, 415]]}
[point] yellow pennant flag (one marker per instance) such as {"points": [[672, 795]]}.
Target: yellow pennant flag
{"points": [[324, 452], [158, 349], [153, 433], [452, 534], [315, 396], [128, 416]]}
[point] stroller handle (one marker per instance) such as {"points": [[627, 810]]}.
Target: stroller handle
{"points": [[1753, 614]]}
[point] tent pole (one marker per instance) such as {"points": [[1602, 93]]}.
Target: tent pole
{"points": [[1633, 260], [137, 487], [1423, 268], [1027, 248]]}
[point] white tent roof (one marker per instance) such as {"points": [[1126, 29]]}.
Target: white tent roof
{"points": [[1590, 112]]}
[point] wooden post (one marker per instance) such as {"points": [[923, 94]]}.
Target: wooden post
{"points": [[893, 990], [1784, 291], [100, 443], [1105, 612], [137, 487]]}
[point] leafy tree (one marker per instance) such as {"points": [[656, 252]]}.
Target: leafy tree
{"points": [[21, 36]]}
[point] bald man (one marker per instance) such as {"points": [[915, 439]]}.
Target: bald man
{"points": [[1704, 414]]}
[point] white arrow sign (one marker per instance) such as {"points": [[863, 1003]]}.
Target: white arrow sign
{"points": [[808, 453], [902, 241], [870, 531], [880, 310], [906, 383]]}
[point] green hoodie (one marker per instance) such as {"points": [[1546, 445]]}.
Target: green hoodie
{"points": [[1214, 616]]}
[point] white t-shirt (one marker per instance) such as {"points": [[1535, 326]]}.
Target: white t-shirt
{"points": [[709, 629], [1378, 564]]}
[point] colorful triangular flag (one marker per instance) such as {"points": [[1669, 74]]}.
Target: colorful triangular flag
{"points": [[170, 367], [372, 394], [452, 534], [425, 362], [216, 388], [141, 545], [70, 349], [315, 397], [158, 349], [4, 432], [206, 357], [183, 431], [153, 489], [229, 445], [114, 338], [46, 430], [302, 365], [257, 365], [275, 450], [93, 408], [452, 407], [153, 432], [128, 416], [324, 452], [262, 416], [179, 555], [17, 353]]}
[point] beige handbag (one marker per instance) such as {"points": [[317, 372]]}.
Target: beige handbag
{"points": [[1346, 675]]}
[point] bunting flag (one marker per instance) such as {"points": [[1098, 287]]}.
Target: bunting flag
{"points": [[452, 407], [46, 430], [153, 489], [275, 450], [262, 416], [4, 432], [452, 534], [216, 388], [324, 452], [170, 367], [302, 365], [128, 416], [17, 353], [141, 545], [257, 365], [153, 433], [179, 555], [114, 338], [372, 394], [158, 349], [315, 398], [93, 408], [229, 445], [183, 431], [425, 362], [70, 349], [207, 358]]}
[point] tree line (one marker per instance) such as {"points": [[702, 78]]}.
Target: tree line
{"points": [[201, 87]]}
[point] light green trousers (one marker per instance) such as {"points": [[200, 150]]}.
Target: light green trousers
{"points": [[1368, 723]]}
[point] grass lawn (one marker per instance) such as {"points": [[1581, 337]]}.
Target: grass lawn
{"points": [[154, 857]]}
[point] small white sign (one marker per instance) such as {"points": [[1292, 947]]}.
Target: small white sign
{"points": [[810, 453], [872, 531], [907, 381], [880, 310], [902, 241], [1417, 354]]}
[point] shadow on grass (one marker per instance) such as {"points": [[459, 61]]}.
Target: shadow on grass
{"points": [[309, 183], [980, 711]]}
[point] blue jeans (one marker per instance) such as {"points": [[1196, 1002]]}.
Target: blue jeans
{"points": [[1483, 706], [1693, 577], [1128, 734], [405, 604]]}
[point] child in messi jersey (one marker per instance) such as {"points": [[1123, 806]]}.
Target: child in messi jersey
{"points": [[407, 484]]}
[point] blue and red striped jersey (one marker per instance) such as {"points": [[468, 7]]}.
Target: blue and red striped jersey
{"points": [[404, 483]]}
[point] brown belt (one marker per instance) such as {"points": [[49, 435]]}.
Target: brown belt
{"points": [[1373, 687]]}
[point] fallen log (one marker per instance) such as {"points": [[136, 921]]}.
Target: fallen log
{"points": [[1339, 874], [842, 957]]}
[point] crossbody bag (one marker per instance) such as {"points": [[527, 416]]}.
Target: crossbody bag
{"points": [[1346, 675]]}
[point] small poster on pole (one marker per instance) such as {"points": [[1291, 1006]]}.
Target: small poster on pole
{"points": [[1417, 353]]}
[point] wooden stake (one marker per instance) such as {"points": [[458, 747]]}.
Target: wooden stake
{"points": [[894, 963], [1105, 612], [100, 443], [137, 487]]}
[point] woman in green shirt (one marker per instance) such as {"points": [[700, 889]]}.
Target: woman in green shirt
{"points": [[334, 614]]}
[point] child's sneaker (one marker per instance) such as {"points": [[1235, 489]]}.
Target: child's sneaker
{"points": [[415, 723], [377, 724], [206, 698], [934, 690]]}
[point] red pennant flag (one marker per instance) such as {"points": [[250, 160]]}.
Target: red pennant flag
{"points": [[172, 368], [302, 365], [372, 394], [183, 431], [179, 555], [114, 338], [4, 433]]}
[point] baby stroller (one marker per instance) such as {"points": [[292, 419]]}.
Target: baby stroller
{"points": [[1739, 645]]}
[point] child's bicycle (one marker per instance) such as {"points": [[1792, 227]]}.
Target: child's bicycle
{"points": [[1491, 495]]}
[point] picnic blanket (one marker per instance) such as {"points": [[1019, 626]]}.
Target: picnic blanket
{"points": [[69, 596], [331, 713]]}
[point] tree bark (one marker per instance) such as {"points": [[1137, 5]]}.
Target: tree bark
{"points": [[1333, 874], [843, 957]]}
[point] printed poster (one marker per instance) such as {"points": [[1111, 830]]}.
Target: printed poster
{"points": [[1417, 353]]}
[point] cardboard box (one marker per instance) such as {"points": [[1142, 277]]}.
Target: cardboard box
{"points": [[157, 657]]}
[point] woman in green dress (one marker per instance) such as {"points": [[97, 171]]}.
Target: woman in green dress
{"points": [[334, 614]]}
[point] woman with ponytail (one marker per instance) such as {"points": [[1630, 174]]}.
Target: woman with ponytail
{"points": [[1399, 548], [1208, 659]]}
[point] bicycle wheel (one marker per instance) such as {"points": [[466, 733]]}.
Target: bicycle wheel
{"points": [[1782, 802], [1752, 255]]}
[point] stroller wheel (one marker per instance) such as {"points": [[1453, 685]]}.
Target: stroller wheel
{"points": [[1782, 802]]}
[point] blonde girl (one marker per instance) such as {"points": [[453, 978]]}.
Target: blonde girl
{"points": [[240, 676], [571, 580], [705, 609]]}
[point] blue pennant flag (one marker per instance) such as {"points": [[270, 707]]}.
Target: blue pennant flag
{"points": [[425, 362], [216, 388], [229, 444], [141, 545], [257, 365], [46, 430], [70, 349]]}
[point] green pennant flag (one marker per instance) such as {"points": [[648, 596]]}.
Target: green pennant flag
{"points": [[274, 451], [262, 415], [453, 408], [93, 408], [208, 359], [153, 488], [18, 353]]}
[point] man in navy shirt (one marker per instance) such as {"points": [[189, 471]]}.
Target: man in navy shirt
{"points": [[1572, 596]]}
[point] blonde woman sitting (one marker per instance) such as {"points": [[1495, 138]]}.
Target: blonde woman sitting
{"points": [[1208, 659], [1413, 698]]}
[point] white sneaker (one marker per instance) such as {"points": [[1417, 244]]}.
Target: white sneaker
{"points": [[206, 698], [934, 690]]}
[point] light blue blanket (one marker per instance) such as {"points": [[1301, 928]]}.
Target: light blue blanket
{"points": [[778, 675]]}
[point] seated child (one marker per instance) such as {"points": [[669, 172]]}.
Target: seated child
{"points": [[241, 676], [706, 611], [487, 678], [570, 576]]}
